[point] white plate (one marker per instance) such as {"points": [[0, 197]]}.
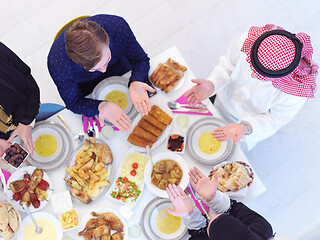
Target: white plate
{"points": [[161, 156], [198, 132], [65, 144], [162, 59], [114, 185], [56, 134], [46, 216], [148, 224], [161, 101], [18, 175], [114, 83], [88, 216], [184, 143], [109, 167]]}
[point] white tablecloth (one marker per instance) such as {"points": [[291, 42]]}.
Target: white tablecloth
{"points": [[119, 147]]}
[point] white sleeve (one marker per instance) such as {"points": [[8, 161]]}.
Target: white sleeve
{"points": [[195, 220], [220, 203], [266, 124], [220, 75]]}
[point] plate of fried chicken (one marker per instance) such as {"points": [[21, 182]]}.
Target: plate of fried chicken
{"points": [[103, 224]]}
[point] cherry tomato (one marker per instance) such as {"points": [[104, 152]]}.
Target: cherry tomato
{"points": [[135, 165], [133, 172]]}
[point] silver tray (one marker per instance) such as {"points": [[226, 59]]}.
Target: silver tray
{"points": [[110, 168], [211, 123], [108, 82], [148, 226], [65, 142]]}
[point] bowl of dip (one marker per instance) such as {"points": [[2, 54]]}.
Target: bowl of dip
{"points": [[51, 227]]}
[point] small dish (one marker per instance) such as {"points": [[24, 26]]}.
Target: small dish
{"points": [[163, 156], [16, 163], [69, 220], [176, 142]]}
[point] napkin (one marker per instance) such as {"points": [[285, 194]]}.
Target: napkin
{"points": [[183, 100], [6, 174], [206, 207]]}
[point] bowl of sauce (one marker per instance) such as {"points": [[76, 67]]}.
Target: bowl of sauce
{"points": [[51, 228]]}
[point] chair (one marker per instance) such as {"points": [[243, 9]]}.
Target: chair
{"points": [[46, 110], [69, 24]]}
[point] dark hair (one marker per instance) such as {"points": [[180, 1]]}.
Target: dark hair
{"points": [[83, 42]]}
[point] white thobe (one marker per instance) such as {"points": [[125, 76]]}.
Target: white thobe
{"points": [[243, 98]]}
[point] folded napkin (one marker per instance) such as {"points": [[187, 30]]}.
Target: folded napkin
{"points": [[206, 207], [6, 174], [183, 100]]}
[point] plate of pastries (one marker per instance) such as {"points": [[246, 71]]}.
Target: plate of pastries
{"points": [[151, 129], [168, 76]]}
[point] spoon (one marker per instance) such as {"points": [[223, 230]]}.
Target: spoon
{"points": [[149, 155], [38, 229], [176, 105]]}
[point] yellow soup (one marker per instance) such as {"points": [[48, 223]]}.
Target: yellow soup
{"points": [[208, 144], [118, 98], [46, 145], [167, 223], [49, 232]]}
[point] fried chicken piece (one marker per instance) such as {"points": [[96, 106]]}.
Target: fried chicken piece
{"points": [[115, 222], [106, 154], [99, 231], [160, 115], [105, 237], [81, 195], [149, 127], [135, 140], [154, 122], [117, 236], [141, 133], [91, 225]]}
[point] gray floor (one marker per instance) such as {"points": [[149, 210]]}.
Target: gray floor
{"points": [[288, 162]]}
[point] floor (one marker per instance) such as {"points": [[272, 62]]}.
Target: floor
{"points": [[287, 163]]}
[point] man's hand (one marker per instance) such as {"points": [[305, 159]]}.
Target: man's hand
{"points": [[24, 132], [233, 131], [114, 114], [181, 202], [201, 91], [203, 185], [139, 96]]}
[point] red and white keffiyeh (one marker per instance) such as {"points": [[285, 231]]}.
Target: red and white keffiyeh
{"points": [[277, 52]]}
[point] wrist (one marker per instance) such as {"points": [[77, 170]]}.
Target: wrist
{"points": [[247, 127]]}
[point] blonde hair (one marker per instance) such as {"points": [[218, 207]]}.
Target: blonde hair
{"points": [[83, 41]]}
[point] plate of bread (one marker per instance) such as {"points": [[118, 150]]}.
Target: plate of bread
{"points": [[234, 177], [168, 75], [153, 128]]}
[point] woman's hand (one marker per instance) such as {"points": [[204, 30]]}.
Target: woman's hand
{"points": [[201, 91], [139, 96], [114, 114], [203, 185], [233, 131], [3, 146], [181, 202], [24, 132]]}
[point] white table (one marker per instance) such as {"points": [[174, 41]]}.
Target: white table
{"points": [[119, 147]]}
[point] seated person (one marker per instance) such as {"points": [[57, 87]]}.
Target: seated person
{"points": [[230, 220], [19, 100], [261, 83], [90, 51]]}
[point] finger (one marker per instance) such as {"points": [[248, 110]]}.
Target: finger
{"points": [[221, 139], [135, 104], [148, 105], [182, 193], [150, 89], [176, 190], [125, 125], [169, 194], [193, 184], [190, 97], [140, 109], [124, 118], [187, 94], [144, 107], [218, 134], [199, 173], [217, 130], [172, 212], [101, 121], [192, 176], [120, 127], [215, 178], [236, 139], [198, 81], [172, 190], [12, 137]]}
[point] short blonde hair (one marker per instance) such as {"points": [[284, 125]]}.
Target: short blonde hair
{"points": [[83, 41]]}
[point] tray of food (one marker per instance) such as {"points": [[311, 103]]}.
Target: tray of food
{"points": [[10, 219], [103, 223], [153, 128], [168, 168], [29, 186], [169, 75], [235, 177], [129, 183], [15, 155], [90, 170]]}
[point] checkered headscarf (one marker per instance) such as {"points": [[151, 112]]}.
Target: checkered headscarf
{"points": [[277, 52]]}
